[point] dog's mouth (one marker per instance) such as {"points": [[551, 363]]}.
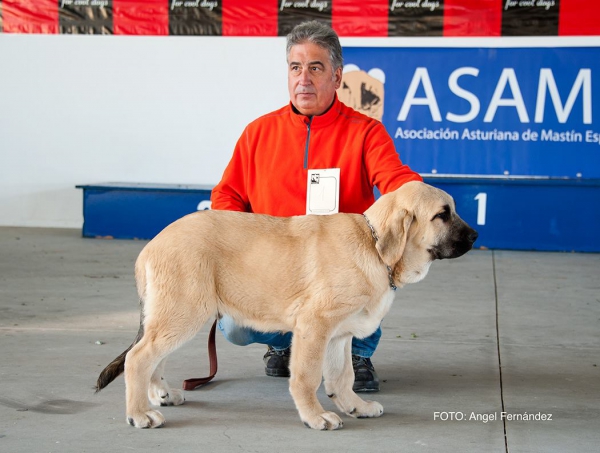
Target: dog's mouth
{"points": [[435, 253]]}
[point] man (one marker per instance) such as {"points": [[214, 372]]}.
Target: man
{"points": [[269, 169]]}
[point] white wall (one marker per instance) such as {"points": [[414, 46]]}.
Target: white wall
{"points": [[89, 109]]}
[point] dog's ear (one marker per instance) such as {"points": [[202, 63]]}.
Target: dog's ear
{"points": [[393, 234]]}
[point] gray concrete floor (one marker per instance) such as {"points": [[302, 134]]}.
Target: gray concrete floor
{"points": [[490, 333]]}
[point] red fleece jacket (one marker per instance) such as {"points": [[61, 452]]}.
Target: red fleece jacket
{"points": [[268, 171]]}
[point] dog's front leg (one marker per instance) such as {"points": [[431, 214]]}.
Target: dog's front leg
{"points": [[306, 365], [339, 378]]}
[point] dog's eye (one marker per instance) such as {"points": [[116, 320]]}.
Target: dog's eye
{"points": [[444, 215]]}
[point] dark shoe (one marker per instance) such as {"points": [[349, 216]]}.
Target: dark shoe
{"points": [[277, 363], [365, 377]]}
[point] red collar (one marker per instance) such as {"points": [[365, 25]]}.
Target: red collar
{"points": [[316, 121]]}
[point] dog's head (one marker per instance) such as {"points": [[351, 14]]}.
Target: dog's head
{"points": [[416, 225]]}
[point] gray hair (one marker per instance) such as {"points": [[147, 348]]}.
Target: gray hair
{"points": [[320, 34]]}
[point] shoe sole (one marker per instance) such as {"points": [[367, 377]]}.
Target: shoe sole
{"points": [[366, 387], [276, 373], [365, 390]]}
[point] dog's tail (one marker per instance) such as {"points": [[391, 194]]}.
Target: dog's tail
{"points": [[117, 366]]}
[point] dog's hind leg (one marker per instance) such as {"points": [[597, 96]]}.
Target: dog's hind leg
{"points": [[140, 364], [159, 393], [339, 378], [146, 360]]}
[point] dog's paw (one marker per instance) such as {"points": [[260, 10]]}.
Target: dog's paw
{"points": [[150, 419], [326, 421], [368, 409], [162, 397]]}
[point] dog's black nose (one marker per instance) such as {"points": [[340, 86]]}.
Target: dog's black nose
{"points": [[473, 236]]}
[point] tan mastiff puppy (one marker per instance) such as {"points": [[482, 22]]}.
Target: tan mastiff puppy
{"points": [[324, 278]]}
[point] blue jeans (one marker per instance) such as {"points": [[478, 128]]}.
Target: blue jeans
{"points": [[243, 336]]}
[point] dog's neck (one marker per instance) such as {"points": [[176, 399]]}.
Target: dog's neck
{"points": [[389, 269]]}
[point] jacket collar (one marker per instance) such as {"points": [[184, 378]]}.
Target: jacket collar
{"points": [[318, 121]]}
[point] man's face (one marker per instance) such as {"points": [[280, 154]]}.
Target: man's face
{"points": [[312, 82]]}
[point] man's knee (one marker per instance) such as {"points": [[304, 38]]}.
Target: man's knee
{"points": [[241, 336]]}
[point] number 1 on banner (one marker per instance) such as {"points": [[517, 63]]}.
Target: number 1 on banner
{"points": [[481, 207]]}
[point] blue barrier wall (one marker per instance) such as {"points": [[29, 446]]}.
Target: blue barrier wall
{"points": [[528, 214], [508, 213], [137, 211]]}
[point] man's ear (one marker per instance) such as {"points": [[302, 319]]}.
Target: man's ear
{"points": [[337, 75], [393, 234]]}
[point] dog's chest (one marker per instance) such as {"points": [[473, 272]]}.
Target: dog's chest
{"points": [[366, 321]]}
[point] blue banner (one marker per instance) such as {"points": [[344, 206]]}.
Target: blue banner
{"points": [[483, 111]]}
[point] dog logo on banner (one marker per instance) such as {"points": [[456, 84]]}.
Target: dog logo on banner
{"points": [[363, 91]]}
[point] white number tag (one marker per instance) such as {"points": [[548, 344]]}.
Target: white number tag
{"points": [[323, 191]]}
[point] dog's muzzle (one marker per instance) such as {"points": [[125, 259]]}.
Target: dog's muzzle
{"points": [[457, 244]]}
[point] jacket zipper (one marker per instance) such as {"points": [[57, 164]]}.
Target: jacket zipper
{"points": [[307, 142]]}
